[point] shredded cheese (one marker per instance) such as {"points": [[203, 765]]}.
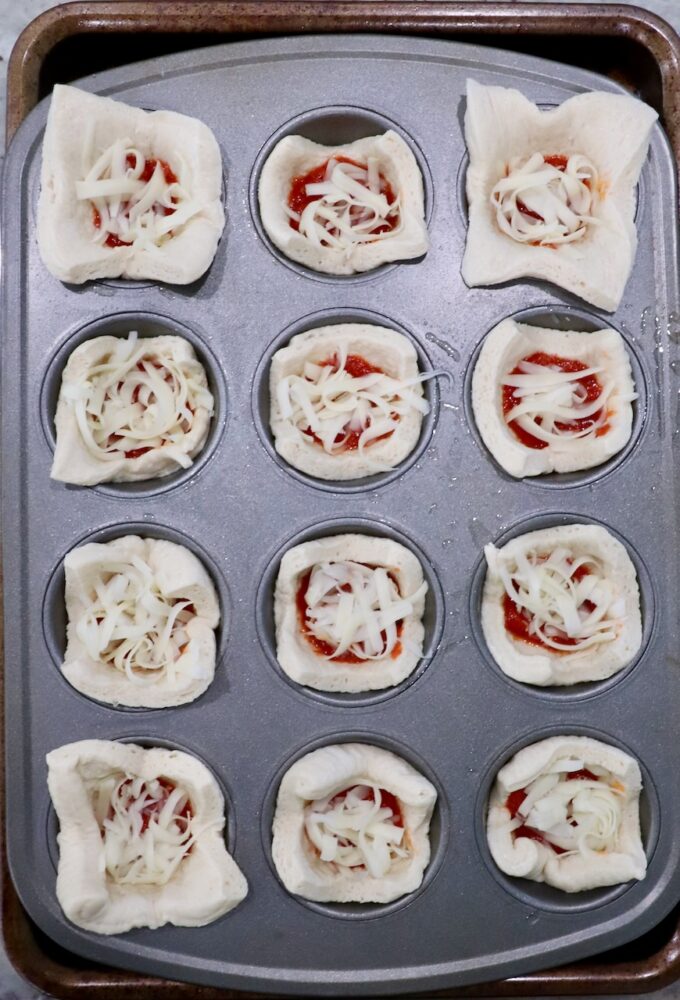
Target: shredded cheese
{"points": [[579, 815], [127, 208], [552, 402], [137, 399], [326, 405], [348, 209], [560, 600], [129, 625], [356, 608], [147, 827], [538, 203], [354, 830]]}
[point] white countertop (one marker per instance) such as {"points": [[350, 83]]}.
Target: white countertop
{"points": [[14, 16]]}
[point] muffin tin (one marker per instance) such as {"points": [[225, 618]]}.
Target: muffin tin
{"points": [[457, 719]]}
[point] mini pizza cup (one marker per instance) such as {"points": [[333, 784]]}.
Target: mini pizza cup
{"points": [[352, 825], [565, 811], [130, 409], [348, 613], [141, 619], [574, 222], [346, 401], [112, 878], [366, 213], [551, 400], [561, 606], [127, 193]]}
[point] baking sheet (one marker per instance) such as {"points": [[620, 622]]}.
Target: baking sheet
{"points": [[242, 507]]}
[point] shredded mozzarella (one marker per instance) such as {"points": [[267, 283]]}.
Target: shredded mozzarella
{"points": [[580, 816], [559, 601], [326, 401], [142, 213], [348, 208], [354, 830], [147, 827], [356, 608], [562, 202], [129, 625], [550, 400], [136, 398]]}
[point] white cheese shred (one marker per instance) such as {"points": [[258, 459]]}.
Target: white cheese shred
{"points": [[564, 200], [354, 830], [349, 208], [356, 609], [563, 595], [326, 405], [138, 398], [550, 401], [581, 816], [147, 828], [130, 626], [142, 213]]}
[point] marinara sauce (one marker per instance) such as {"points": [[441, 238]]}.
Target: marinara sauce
{"points": [[324, 648], [112, 240], [556, 160], [153, 809], [356, 366], [515, 800], [593, 391], [298, 199], [518, 619]]}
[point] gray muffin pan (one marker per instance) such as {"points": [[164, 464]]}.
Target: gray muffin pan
{"points": [[458, 718]]}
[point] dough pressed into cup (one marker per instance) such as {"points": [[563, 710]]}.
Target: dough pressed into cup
{"points": [[399, 385], [102, 889], [612, 131], [142, 614], [597, 810], [507, 347], [81, 127], [310, 786], [303, 661], [557, 568], [294, 156], [129, 410]]}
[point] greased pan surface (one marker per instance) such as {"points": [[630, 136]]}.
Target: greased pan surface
{"points": [[240, 508]]}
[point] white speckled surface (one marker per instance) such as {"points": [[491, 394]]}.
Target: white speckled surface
{"points": [[14, 16]]}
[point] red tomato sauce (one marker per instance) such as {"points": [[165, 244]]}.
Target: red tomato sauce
{"points": [[356, 366], [147, 173], [325, 648], [590, 383], [554, 160], [298, 199], [138, 452], [152, 809], [517, 619], [515, 800]]}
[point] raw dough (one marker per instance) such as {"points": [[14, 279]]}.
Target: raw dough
{"points": [[206, 883]]}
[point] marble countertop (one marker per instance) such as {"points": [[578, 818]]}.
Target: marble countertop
{"points": [[14, 16]]}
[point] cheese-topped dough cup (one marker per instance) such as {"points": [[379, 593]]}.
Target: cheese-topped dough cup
{"points": [[348, 611], [551, 400], [346, 400], [130, 409], [127, 193], [551, 194], [565, 811], [344, 209], [352, 825], [142, 614], [561, 605], [141, 840]]}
